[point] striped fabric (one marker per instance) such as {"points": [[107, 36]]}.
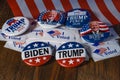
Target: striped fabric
{"points": [[107, 11]]}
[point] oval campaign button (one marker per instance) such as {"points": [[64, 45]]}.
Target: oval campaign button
{"points": [[95, 32], [76, 18], [51, 18], [36, 53], [70, 54], [15, 26]]}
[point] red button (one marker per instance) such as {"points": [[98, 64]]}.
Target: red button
{"points": [[36, 53], [70, 54]]}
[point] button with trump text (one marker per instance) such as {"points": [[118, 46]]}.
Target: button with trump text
{"points": [[76, 18], [15, 26], [70, 54], [36, 53]]}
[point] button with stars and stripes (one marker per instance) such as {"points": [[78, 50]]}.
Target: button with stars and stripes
{"points": [[36, 53], [95, 32], [70, 54]]}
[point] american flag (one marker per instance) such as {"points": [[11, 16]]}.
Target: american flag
{"points": [[54, 33], [107, 11], [100, 51], [11, 21]]}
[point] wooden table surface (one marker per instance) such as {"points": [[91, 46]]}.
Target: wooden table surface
{"points": [[13, 68]]}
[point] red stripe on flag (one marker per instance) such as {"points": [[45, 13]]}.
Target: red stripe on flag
{"points": [[102, 7], [85, 5], [14, 7], [117, 4], [66, 5], [33, 8], [49, 5]]}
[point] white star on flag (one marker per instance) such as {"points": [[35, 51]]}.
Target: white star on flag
{"points": [[44, 58], [37, 60], [63, 61], [70, 45], [30, 60], [70, 61], [35, 45]]}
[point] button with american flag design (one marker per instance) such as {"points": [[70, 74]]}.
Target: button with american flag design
{"points": [[36, 53], [51, 18], [76, 18], [15, 26], [70, 54], [95, 31]]}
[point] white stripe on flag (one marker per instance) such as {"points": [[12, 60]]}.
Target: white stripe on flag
{"points": [[40, 5], [58, 5], [24, 9], [74, 4], [112, 9], [97, 12]]}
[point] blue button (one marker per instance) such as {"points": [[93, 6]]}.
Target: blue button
{"points": [[95, 32], [76, 18]]}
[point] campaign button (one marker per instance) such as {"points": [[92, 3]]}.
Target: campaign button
{"points": [[70, 54], [95, 32], [51, 18], [15, 26], [36, 53], [76, 18]]}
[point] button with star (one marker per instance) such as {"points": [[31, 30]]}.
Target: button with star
{"points": [[36, 53], [70, 54]]}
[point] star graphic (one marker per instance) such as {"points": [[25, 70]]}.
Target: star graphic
{"points": [[78, 60], [63, 46], [37, 60], [70, 45], [42, 44], [77, 45], [71, 61], [30, 60], [63, 61], [29, 47], [44, 58], [35, 45]]}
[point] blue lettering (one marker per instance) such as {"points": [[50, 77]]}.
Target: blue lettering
{"points": [[111, 52], [16, 26]]}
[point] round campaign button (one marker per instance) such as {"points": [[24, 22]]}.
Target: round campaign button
{"points": [[76, 18], [51, 18], [95, 32], [15, 26], [70, 54], [36, 53]]}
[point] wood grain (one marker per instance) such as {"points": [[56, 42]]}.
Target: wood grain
{"points": [[13, 68]]}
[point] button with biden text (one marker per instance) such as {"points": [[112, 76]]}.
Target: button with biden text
{"points": [[70, 54], [36, 53], [15, 26]]}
